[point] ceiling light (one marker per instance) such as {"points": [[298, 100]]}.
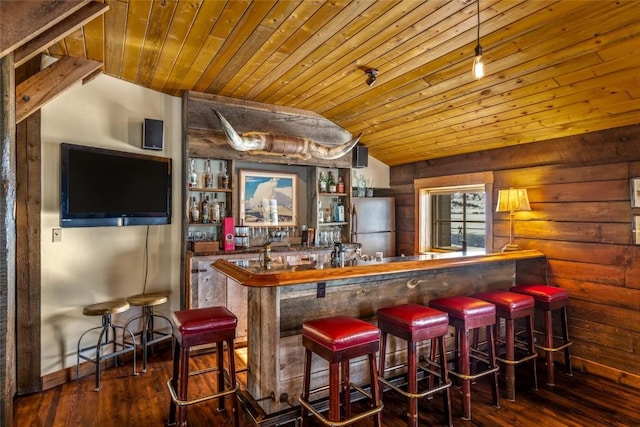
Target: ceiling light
{"points": [[372, 73], [478, 67]]}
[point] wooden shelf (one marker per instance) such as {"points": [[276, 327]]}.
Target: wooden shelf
{"points": [[211, 190]]}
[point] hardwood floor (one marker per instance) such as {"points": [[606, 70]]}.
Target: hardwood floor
{"points": [[143, 400]]}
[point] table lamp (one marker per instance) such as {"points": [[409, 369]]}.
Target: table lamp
{"points": [[512, 200]]}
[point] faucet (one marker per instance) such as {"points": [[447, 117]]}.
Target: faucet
{"points": [[266, 256], [337, 256]]}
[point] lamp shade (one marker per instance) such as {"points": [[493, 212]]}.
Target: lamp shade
{"points": [[512, 200]]}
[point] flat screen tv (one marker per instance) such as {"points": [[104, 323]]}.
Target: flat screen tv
{"points": [[101, 187]]}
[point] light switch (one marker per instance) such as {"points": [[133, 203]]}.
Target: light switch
{"points": [[57, 235]]}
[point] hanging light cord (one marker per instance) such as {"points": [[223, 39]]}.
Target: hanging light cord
{"points": [[478, 47]]}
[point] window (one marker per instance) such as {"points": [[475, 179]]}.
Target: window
{"points": [[457, 216], [453, 210]]}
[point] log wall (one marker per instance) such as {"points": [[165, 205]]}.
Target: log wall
{"points": [[581, 219]]}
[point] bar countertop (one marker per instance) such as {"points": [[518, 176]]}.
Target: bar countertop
{"points": [[293, 270]]}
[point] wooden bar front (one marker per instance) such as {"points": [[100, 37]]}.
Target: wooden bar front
{"points": [[281, 299]]}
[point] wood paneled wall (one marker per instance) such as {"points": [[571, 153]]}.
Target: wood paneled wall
{"points": [[581, 219]]}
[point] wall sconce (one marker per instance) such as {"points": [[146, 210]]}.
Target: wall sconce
{"points": [[478, 66], [372, 73], [512, 200]]}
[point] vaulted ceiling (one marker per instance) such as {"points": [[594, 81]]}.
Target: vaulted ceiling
{"points": [[553, 68]]}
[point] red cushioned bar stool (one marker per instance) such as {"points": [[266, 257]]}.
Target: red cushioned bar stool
{"points": [[467, 314], [338, 340], [512, 307], [415, 323], [196, 327], [549, 299]]}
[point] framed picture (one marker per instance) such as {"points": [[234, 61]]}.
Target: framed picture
{"points": [[268, 198], [634, 184], [635, 230]]}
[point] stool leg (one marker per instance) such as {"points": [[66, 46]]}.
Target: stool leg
{"points": [[383, 352], [532, 349], [304, 413], [104, 333], [232, 375], [174, 380], [220, 361], [412, 378], [493, 365], [565, 338], [183, 384], [334, 391], [509, 368], [444, 377], [464, 369], [375, 389], [144, 338], [548, 343], [346, 389]]}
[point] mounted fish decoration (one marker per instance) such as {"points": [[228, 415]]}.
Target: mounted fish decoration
{"points": [[283, 144]]}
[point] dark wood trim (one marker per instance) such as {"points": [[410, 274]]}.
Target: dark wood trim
{"points": [[28, 254], [7, 241]]}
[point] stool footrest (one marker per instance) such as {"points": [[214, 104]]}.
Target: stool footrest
{"points": [[474, 376], [414, 395], [552, 349], [342, 423], [179, 402], [517, 361]]}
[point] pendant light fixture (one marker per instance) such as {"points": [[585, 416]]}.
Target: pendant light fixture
{"points": [[478, 66]]}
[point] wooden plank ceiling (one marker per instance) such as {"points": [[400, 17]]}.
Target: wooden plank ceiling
{"points": [[553, 68]]}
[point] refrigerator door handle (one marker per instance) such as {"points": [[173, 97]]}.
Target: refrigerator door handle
{"points": [[354, 223]]}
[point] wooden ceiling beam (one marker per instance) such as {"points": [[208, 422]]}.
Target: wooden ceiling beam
{"points": [[36, 91], [59, 31], [21, 21]]}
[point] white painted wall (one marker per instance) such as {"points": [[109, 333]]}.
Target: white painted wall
{"points": [[376, 173], [97, 264]]}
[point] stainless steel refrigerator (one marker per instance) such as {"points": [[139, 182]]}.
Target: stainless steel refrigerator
{"points": [[373, 224]]}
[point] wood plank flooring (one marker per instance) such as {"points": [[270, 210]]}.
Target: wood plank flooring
{"points": [[143, 400]]}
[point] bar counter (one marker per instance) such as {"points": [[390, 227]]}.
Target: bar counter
{"points": [[306, 270], [297, 289]]}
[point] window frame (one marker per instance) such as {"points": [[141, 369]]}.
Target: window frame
{"points": [[423, 187]]}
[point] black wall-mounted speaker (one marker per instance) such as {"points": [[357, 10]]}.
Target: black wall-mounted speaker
{"points": [[152, 134], [360, 156]]}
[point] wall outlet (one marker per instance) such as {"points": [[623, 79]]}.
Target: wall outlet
{"points": [[57, 235], [321, 289]]}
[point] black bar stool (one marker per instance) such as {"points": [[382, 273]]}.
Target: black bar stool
{"points": [[467, 314], [149, 334], [415, 323], [550, 299], [107, 346], [195, 327], [338, 340]]}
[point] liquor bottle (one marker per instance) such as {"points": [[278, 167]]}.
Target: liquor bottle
{"points": [[216, 209], [194, 211], [336, 210], [322, 182], [320, 212], [208, 176], [341, 215], [331, 183], [204, 210], [340, 185], [193, 175], [224, 177]]}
